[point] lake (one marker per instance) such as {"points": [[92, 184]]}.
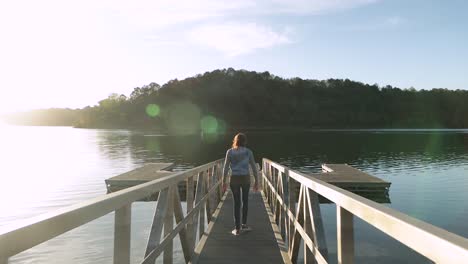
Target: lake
{"points": [[46, 168]]}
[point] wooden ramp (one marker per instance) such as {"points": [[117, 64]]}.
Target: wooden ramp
{"points": [[257, 246]]}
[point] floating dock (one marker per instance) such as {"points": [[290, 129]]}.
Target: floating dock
{"points": [[340, 175], [147, 173], [355, 181]]}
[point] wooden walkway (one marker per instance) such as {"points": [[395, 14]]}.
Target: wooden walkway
{"points": [[259, 245]]}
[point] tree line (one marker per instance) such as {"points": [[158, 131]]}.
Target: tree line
{"points": [[248, 99]]}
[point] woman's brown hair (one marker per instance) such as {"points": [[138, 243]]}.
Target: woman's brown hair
{"points": [[240, 140]]}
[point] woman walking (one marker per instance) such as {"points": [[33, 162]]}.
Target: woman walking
{"points": [[238, 159]]}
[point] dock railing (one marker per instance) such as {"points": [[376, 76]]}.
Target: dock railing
{"points": [[204, 193], [299, 219]]}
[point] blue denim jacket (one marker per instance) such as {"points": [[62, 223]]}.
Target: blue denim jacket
{"points": [[239, 160]]}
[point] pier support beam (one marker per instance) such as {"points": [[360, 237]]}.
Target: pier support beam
{"points": [[122, 232], [345, 236]]}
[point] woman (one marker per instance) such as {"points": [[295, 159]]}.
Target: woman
{"points": [[238, 158]]}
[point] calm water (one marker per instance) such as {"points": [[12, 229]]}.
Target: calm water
{"points": [[45, 168]]}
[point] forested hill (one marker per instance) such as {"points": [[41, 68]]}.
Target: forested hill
{"points": [[238, 99]]}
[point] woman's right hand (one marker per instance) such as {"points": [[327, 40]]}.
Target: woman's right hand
{"points": [[224, 187]]}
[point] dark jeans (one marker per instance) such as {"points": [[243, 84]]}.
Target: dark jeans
{"points": [[236, 192]]}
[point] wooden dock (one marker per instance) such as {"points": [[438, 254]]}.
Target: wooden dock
{"points": [[340, 175], [147, 173], [355, 181]]}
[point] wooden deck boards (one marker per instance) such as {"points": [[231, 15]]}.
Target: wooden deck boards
{"points": [[257, 246]]}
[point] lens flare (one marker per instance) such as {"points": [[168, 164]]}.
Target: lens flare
{"points": [[209, 125], [152, 110], [182, 118]]}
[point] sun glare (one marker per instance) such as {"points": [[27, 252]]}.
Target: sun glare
{"points": [[28, 152]]}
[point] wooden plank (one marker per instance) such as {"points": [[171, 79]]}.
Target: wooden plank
{"points": [[122, 234], [345, 236]]}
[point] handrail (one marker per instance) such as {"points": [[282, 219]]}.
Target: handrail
{"points": [[18, 238], [432, 242]]}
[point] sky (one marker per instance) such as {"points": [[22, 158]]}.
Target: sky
{"points": [[59, 53]]}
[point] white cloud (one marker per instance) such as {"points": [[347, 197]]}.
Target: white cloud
{"points": [[237, 38], [158, 14], [162, 13], [201, 19]]}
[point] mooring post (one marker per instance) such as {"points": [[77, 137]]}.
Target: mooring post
{"points": [[345, 236], [122, 233]]}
